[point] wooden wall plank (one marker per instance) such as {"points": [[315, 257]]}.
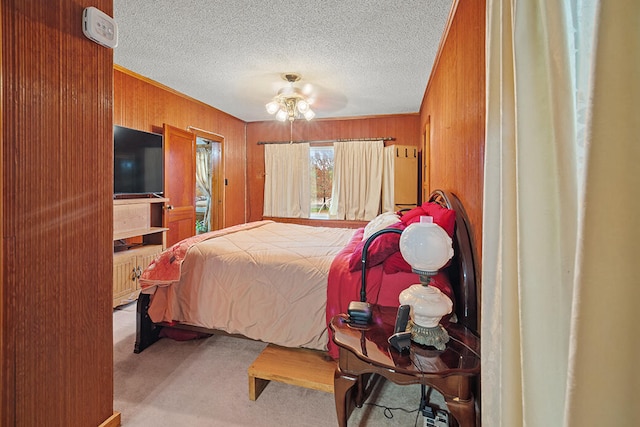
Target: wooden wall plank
{"points": [[454, 107], [57, 344], [141, 103]]}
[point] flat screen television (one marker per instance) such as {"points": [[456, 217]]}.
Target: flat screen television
{"points": [[138, 165]]}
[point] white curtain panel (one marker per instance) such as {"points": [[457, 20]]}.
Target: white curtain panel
{"points": [[286, 187], [560, 285], [357, 180], [388, 196], [203, 177]]}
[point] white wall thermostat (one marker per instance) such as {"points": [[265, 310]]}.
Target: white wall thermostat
{"points": [[99, 27]]}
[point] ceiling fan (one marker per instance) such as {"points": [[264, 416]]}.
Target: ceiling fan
{"points": [[291, 102]]}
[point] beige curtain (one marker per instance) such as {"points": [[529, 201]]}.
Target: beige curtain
{"points": [[388, 197], [286, 187], [357, 180], [559, 278], [203, 179]]}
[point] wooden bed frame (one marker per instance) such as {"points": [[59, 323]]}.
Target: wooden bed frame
{"points": [[462, 274], [462, 271]]}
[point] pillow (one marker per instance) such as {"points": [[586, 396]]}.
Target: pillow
{"points": [[378, 223], [395, 264], [379, 250], [445, 218]]}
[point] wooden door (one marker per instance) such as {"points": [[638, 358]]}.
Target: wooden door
{"points": [[179, 183], [217, 187]]}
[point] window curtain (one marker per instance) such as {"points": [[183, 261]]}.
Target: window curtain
{"points": [[357, 180], [388, 196], [561, 214], [203, 179], [286, 186]]}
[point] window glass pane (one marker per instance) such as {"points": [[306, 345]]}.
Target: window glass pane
{"points": [[321, 176]]}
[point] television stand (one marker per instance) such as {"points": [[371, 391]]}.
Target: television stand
{"points": [[128, 196], [138, 237]]}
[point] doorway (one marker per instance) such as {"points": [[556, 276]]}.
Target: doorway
{"points": [[209, 182]]}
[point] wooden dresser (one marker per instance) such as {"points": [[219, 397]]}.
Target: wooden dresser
{"points": [[400, 186]]}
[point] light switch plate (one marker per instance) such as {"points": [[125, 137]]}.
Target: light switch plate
{"points": [[99, 27]]}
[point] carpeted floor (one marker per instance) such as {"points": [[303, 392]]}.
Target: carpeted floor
{"points": [[204, 383]]}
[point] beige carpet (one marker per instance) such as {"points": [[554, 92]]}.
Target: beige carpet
{"points": [[204, 383]]}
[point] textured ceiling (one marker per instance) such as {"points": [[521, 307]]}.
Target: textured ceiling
{"points": [[362, 57]]}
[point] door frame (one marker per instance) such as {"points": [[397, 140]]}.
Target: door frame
{"points": [[426, 160], [217, 216]]}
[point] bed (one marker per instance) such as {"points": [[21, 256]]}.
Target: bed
{"points": [[279, 282]]}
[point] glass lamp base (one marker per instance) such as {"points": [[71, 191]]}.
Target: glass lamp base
{"points": [[436, 336]]}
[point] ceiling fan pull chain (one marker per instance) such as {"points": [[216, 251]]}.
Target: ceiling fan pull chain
{"points": [[291, 132]]}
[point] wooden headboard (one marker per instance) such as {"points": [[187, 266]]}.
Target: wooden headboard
{"points": [[462, 270]]}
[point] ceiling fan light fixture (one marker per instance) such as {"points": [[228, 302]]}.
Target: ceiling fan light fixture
{"points": [[290, 102]]}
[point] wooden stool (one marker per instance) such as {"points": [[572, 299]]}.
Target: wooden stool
{"points": [[296, 366]]}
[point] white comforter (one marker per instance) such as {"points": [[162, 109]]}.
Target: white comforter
{"points": [[266, 281]]}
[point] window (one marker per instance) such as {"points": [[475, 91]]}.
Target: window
{"points": [[321, 177]]}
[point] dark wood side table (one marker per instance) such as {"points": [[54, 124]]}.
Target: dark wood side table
{"points": [[365, 350]]}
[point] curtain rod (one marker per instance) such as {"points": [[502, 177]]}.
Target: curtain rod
{"points": [[318, 141]]}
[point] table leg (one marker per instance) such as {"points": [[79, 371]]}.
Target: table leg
{"points": [[342, 385], [463, 411]]}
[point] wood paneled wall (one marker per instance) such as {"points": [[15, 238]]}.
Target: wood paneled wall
{"points": [[404, 128], [141, 103], [454, 108], [56, 168]]}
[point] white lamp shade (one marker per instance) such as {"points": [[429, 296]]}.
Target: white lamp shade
{"points": [[281, 115], [426, 246], [272, 107], [309, 114], [302, 106]]}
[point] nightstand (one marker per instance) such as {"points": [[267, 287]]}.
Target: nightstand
{"points": [[365, 350]]}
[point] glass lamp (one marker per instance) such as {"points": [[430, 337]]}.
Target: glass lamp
{"points": [[272, 107], [427, 248]]}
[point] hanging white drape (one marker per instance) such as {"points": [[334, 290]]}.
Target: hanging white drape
{"points": [[561, 214], [388, 196], [286, 186], [357, 180], [203, 178]]}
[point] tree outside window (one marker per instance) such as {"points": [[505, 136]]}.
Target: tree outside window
{"points": [[321, 175]]}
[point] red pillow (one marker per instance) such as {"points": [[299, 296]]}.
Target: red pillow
{"points": [[445, 218], [380, 249], [395, 264], [386, 246]]}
